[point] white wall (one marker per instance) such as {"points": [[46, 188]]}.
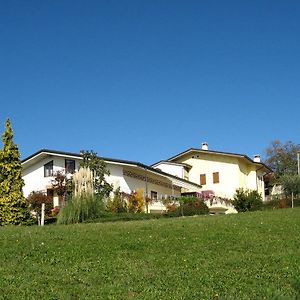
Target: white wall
{"points": [[128, 184], [116, 177], [135, 184], [34, 179], [172, 169], [33, 176]]}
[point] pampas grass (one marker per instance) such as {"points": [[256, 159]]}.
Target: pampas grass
{"points": [[79, 209]]}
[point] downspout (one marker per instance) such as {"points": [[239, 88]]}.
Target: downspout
{"points": [[172, 190], [146, 190]]}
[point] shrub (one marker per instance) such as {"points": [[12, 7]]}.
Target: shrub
{"points": [[247, 200], [194, 206], [55, 210], [136, 201], [277, 202], [171, 207], [188, 206], [117, 204], [79, 209]]}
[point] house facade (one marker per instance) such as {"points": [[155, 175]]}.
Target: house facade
{"points": [[40, 168], [219, 173]]}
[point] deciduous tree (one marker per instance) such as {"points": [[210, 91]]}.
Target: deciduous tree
{"points": [[282, 158], [99, 169], [290, 184], [62, 185], [35, 201]]}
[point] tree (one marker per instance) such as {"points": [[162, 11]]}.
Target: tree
{"points": [[98, 167], [62, 186], [290, 184], [35, 200], [282, 158], [13, 206]]}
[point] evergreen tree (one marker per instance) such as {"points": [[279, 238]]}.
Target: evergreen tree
{"points": [[13, 207]]}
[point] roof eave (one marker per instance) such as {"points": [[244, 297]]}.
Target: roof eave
{"points": [[107, 160], [219, 153]]}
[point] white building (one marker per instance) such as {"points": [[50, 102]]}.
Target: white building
{"points": [[39, 168]]}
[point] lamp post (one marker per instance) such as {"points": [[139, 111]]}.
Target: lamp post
{"points": [[298, 161], [298, 172]]}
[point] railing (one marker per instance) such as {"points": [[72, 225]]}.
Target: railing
{"points": [[220, 205]]}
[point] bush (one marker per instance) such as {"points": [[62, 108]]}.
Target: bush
{"points": [[188, 206], [117, 204], [247, 200], [54, 211], [276, 203], [136, 201], [79, 209]]}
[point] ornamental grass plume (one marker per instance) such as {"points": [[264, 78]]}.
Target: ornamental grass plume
{"points": [[83, 182]]}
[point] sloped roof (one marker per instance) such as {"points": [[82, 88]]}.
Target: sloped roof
{"points": [[171, 163], [44, 152], [243, 156]]}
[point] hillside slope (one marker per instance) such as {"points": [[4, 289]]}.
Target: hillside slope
{"points": [[244, 256]]}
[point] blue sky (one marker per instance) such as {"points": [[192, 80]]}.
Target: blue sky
{"points": [[145, 80]]}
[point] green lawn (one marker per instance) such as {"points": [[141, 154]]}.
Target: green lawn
{"points": [[244, 256]]}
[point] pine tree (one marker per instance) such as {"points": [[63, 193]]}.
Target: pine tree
{"points": [[13, 207]]}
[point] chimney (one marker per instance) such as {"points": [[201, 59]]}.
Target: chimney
{"points": [[204, 146], [256, 158]]}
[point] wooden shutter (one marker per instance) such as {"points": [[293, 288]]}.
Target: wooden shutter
{"points": [[216, 178], [202, 179]]}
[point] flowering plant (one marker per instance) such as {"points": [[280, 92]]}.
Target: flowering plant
{"points": [[55, 211]]}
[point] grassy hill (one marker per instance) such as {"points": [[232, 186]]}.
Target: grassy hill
{"points": [[244, 256]]}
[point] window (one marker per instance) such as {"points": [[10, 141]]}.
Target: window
{"points": [[48, 169], [202, 179], [70, 166], [216, 178], [153, 195]]}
